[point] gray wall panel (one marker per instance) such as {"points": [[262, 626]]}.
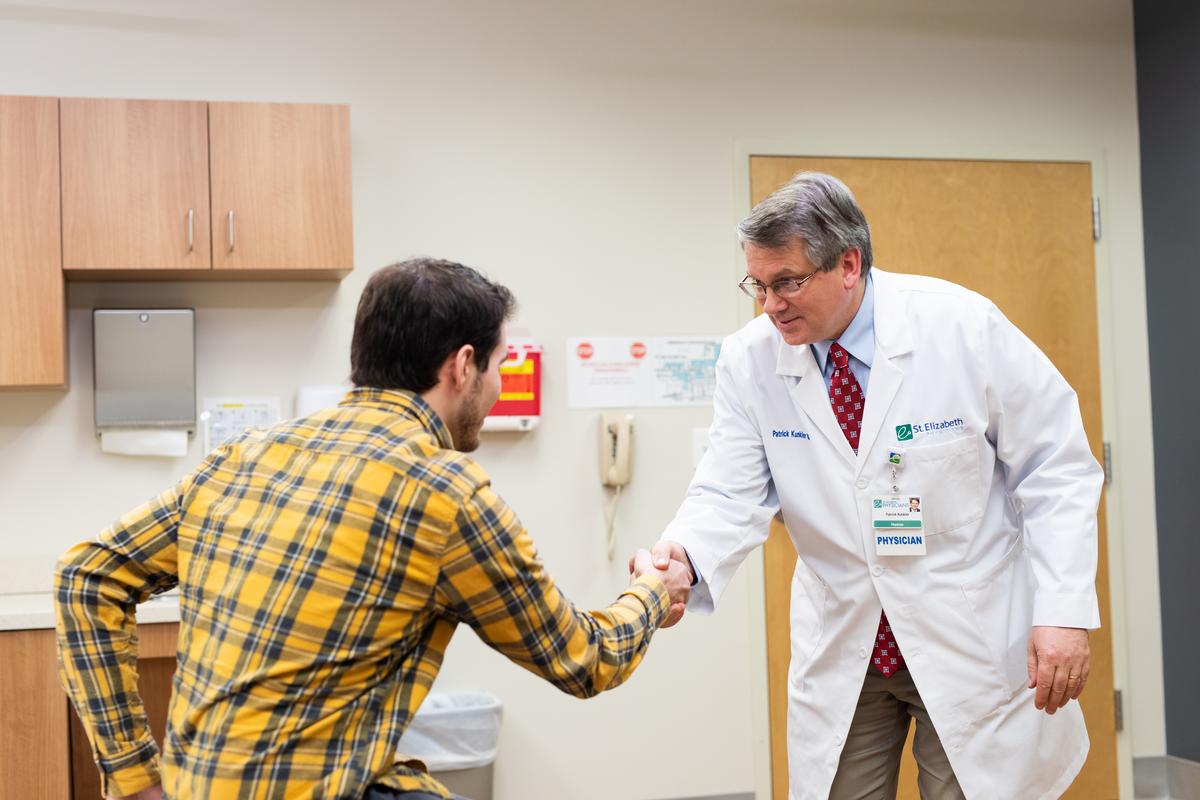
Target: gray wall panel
{"points": [[1168, 82]]}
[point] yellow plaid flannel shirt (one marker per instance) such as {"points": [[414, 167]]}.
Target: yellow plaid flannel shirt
{"points": [[323, 565]]}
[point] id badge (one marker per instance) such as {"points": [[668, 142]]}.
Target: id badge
{"points": [[897, 525]]}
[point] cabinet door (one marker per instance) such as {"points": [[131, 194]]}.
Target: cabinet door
{"points": [[135, 185], [34, 729], [32, 311], [281, 187]]}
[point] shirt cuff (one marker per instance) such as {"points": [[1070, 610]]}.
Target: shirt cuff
{"points": [[131, 779], [652, 592], [696, 576]]}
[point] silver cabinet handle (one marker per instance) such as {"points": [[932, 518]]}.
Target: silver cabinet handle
{"points": [[191, 228], [231, 230]]}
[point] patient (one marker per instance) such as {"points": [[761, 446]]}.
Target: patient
{"points": [[323, 565]]}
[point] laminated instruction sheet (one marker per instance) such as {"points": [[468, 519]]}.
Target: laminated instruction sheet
{"points": [[639, 371]]}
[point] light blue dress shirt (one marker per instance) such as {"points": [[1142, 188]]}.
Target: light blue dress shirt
{"points": [[858, 340]]}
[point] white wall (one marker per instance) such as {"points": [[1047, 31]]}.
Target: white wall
{"points": [[584, 154]]}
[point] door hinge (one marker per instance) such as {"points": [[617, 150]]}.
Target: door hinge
{"points": [[1119, 707], [1095, 219], [1107, 463]]}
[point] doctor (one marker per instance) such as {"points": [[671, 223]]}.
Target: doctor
{"points": [[856, 392]]}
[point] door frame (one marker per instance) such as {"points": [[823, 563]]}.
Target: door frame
{"points": [[1115, 502]]}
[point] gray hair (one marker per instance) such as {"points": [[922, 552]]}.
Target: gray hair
{"points": [[817, 208]]}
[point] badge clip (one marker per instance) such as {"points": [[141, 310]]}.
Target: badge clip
{"points": [[896, 460]]}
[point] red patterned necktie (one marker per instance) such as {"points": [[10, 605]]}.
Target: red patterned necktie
{"points": [[848, 402]]}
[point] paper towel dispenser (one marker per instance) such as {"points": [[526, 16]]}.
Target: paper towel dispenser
{"points": [[144, 368]]}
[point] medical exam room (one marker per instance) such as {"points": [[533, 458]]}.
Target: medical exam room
{"points": [[660, 400]]}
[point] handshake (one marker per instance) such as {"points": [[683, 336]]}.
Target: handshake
{"points": [[669, 561]]}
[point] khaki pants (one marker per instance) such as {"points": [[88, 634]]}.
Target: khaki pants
{"points": [[870, 764]]}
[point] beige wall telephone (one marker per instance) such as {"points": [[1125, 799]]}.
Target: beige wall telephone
{"points": [[616, 445], [616, 463]]}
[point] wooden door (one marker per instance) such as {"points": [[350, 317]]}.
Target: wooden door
{"points": [[1019, 233], [281, 187], [135, 185], [32, 305]]}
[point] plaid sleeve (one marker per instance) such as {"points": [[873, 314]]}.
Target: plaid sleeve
{"points": [[493, 579], [97, 586]]}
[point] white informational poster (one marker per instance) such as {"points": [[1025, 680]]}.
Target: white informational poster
{"points": [[226, 417], [638, 371]]}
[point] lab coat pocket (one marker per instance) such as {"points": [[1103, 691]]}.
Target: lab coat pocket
{"points": [[1002, 603], [946, 475], [807, 617]]}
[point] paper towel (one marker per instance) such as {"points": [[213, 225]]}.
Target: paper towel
{"points": [[144, 442]]}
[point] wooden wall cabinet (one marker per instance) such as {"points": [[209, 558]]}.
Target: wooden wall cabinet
{"points": [[32, 300], [136, 190], [159, 190]]}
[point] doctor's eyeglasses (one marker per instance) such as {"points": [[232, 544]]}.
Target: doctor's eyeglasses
{"points": [[783, 288]]}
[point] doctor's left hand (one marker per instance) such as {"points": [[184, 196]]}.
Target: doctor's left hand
{"points": [[1058, 662]]}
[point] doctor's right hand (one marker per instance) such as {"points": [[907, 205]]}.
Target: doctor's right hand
{"points": [[666, 554], [677, 577]]}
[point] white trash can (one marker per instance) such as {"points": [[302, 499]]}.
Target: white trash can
{"points": [[456, 734]]}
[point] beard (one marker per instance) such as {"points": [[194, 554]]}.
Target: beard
{"points": [[465, 426]]}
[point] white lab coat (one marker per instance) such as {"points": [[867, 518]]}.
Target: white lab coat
{"points": [[1009, 490]]}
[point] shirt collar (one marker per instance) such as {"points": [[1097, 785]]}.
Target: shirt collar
{"points": [[859, 336], [403, 402]]}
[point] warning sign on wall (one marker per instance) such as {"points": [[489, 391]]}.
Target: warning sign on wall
{"points": [[634, 371]]}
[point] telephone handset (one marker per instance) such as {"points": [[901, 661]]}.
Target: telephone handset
{"points": [[616, 445]]}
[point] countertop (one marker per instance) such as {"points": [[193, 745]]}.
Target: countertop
{"points": [[35, 610]]}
